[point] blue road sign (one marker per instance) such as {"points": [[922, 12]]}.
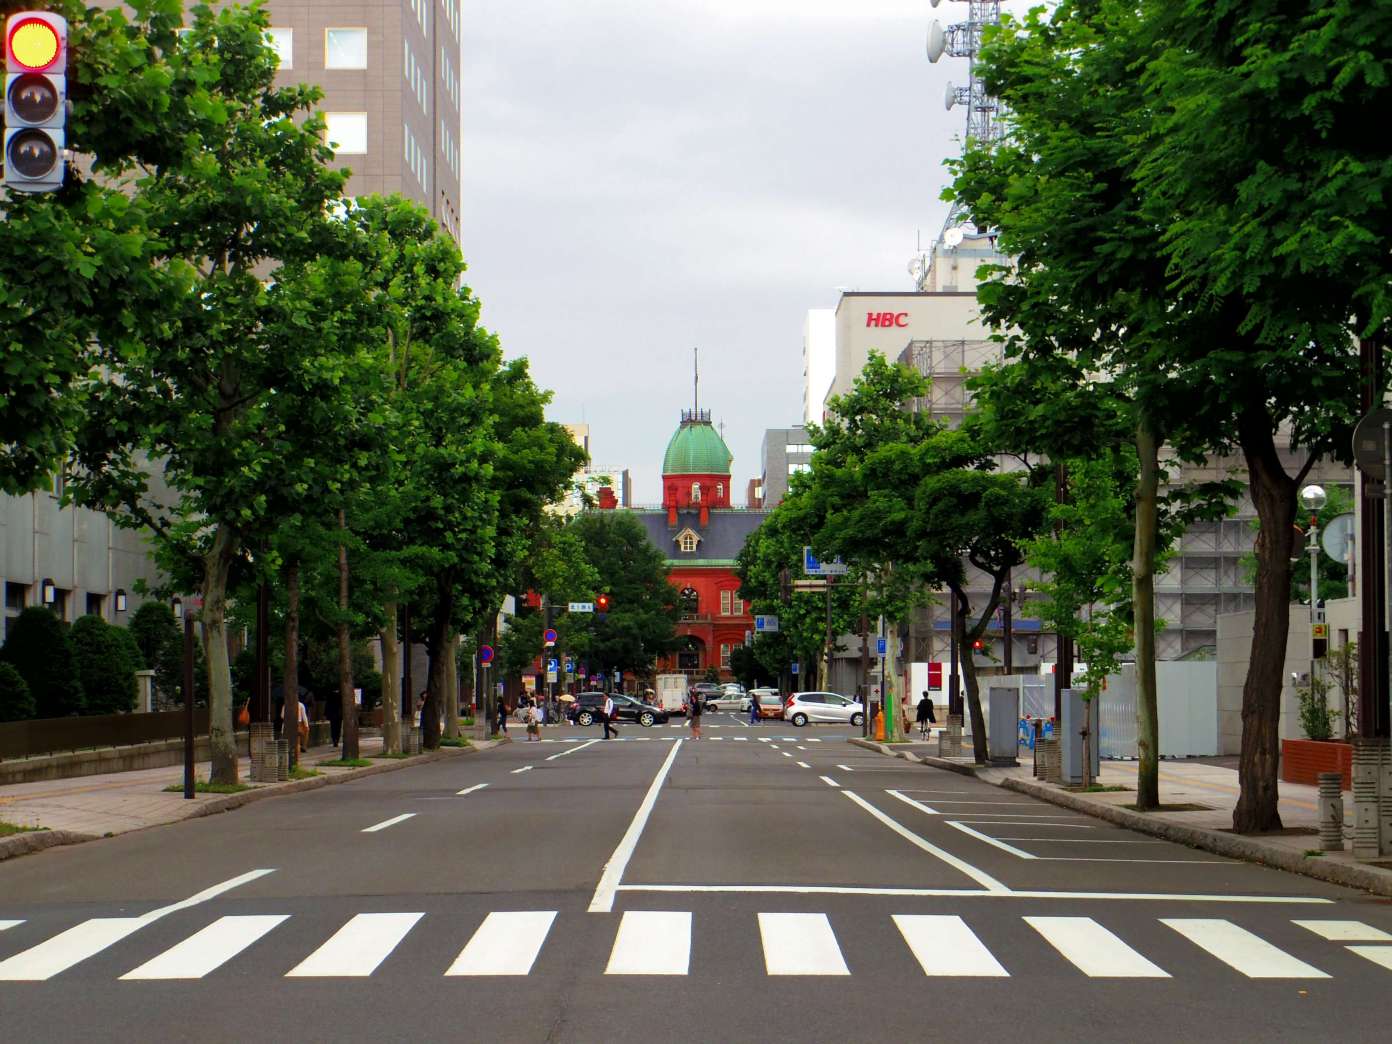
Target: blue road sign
{"points": [[767, 624], [812, 566], [552, 664], [881, 646], [795, 668]]}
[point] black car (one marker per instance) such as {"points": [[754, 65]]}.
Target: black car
{"points": [[588, 707]]}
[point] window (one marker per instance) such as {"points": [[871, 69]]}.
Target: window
{"points": [[15, 597], [738, 607], [346, 132], [690, 600], [793, 469], [720, 491], [725, 598], [798, 447], [696, 493], [345, 48], [282, 41], [688, 542], [94, 605], [724, 654]]}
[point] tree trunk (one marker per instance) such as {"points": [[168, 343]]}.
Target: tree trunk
{"points": [[391, 684], [1273, 494], [1143, 607], [345, 648], [436, 641], [978, 720], [222, 737], [290, 686], [451, 690]]}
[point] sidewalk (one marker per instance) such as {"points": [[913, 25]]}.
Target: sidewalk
{"points": [[72, 810], [1213, 788]]}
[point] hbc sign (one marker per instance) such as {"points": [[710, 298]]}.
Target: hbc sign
{"points": [[884, 320]]}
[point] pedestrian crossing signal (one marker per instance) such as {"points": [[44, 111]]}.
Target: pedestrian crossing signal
{"points": [[36, 101]]}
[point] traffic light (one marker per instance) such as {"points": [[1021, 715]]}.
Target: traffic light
{"points": [[978, 645], [36, 101], [601, 603]]}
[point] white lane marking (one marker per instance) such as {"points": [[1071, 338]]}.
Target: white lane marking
{"points": [[910, 801], [506, 943], [1238, 948], [612, 877], [524, 768], [785, 753], [89, 938], [651, 942], [813, 739], [1377, 954], [740, 739], [985, 893], [845, 768], [1018, 852], [358, 947], [208, 949], [976, 817], [829, 781], [771, 747], [981, 877], [9, 924], [1018, 804], [800, 944], [800, 747], [803, 764], [717, 737], [944, 945], [1081, 840], [677, 726], [572, 750], [1094, 950], [388, 822], [1346, 931], [765, 739], [470, 790]]}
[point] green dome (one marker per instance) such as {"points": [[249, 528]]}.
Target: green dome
{"points": [[697, 448]]}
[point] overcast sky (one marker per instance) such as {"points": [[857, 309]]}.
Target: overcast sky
{"points": [[645, 176]]}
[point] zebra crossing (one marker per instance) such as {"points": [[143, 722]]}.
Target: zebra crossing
{"points": [[791, 944], [671, 739]]}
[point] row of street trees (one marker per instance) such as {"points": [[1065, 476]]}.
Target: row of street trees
{"points": [[1197, 218], [285, 386]]}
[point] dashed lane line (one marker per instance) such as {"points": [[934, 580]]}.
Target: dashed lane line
{"points": [[388, 823], [470, 790]]}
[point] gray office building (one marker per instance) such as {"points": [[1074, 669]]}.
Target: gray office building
{"points": [[785, 452]]}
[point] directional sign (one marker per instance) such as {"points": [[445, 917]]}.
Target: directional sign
{"points": [[795, 668], [549, 636], [881, 646], [485, 654], [766, 624], [813, 567], [582, 607], [809, 585]]}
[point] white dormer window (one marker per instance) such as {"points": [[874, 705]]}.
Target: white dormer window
{"points": [[688, 542], [720, 491], [696, 493]]}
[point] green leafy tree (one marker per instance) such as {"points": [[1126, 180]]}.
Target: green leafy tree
{"points": [[104, 666], [37, 646], [16, 702]]}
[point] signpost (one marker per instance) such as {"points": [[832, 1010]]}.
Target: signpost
{"points": [[881, 646], [766, 624], [809, 585], [812, 566], [552, 669], [549, 637], [582, 607]]}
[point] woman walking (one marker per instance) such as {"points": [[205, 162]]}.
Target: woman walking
{"points": [[693, 711]]}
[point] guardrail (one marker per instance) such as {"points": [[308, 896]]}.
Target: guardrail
{"points": [[25, 739]]}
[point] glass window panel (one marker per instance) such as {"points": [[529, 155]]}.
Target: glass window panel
{"points": [[345, 48], [282, 41], [346, 132]]}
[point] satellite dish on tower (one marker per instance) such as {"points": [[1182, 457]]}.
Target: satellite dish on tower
{"points": [[937, 40], [953, 237], [950, 97], [916, 267]]}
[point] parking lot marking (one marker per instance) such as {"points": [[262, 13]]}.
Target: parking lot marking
{"points": [[612, 877], [829, 781], [910, 801], [981, 877], [1019, 852]]}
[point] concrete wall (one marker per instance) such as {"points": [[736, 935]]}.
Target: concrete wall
{"points": [[1234, 651], [946, 316]]}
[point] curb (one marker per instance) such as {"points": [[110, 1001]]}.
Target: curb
{"points": [[38, 840], [1234, 846]]}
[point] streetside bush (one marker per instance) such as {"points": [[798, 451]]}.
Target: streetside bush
{"points": [[16, 702], [38, 648], [105, 666]]}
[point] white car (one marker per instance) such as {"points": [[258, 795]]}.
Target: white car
{"points": [[803, 707], [729, 698]]}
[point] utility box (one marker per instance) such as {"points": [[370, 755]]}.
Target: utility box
{"points": [[1003, 727], [1078, 712]]}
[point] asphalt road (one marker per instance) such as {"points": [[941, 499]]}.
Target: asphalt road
{"points": [[764, 883]]}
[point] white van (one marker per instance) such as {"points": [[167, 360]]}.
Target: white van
{"points": [[671, 693]]}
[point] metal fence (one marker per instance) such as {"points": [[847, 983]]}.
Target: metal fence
{"points": [[25, 739]]}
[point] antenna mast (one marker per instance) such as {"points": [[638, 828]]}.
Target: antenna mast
{"points": [[696, 380]]}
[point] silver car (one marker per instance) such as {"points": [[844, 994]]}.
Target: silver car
{"points": [[729, 698], [803, 707]]}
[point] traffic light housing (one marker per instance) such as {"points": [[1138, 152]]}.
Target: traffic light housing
{"points": [[601, 603], [36, 101]]}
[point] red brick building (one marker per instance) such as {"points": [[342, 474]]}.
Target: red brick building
{"points": [[699, 534]]}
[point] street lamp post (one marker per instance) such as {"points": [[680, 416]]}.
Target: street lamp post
{"points": [[1312, 498], [187, 618]]}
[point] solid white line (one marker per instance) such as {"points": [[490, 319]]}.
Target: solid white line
{"points": [[829, 781], [208, 949], [1346, 931], [981, 877], [1377, 954], [803, 764], [1238, 948], [504, 944], [612, 877], [1018, 804], [1094, 950], [1019, 852], [388, 822], [207, 893], [357, 948], [978, 893], [572, 750], [944, 945], [977, 818], [800, 944], [524, 768], [470, 790], [651, 942], [910, 801]]}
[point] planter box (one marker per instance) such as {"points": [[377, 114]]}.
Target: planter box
{"points": [[1302, 760]]}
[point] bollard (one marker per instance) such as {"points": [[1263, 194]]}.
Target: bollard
{"points": [[282, 760], [263, 752], [1367, 767], [1331, 811], [954, 735]]}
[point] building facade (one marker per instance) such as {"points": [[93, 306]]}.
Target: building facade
{"points": [[785, 452]]}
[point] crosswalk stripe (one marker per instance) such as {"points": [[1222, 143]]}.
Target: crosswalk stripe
{"points": [[207, 950], [800, 944], [358, 947], [1095, 951], [944, 945], [505, 943], [651, 942], [9, 924], [1238, 948], [67, 948], [1377, 954], [1346, 931]]}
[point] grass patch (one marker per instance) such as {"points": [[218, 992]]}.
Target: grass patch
{"points": [[203, 786], [1311, 853], [466, 723], [6, 829], [300, 772], [455, 741], [1102, 788], [391, 757], [345, 763]]}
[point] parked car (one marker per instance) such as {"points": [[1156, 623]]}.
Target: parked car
{"points": [[588, 707], [706, 689], [770, 702], [729, 698], [803, 707]]}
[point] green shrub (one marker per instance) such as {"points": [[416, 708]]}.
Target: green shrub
{"points": [[16, 702], [38, 648], [104, 665], [1316, 717]]}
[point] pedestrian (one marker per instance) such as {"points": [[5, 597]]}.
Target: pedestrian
{"points": [[302, 726], [925, 714], [533, 722], [694, 712], [608, 716], [754, 708], [502, 719]]}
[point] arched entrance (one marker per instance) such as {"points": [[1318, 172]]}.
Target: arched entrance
{"points": [[691, 653]]}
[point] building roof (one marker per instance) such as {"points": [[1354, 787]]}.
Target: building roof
{"points": [[696, 448], [720, 542]]}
